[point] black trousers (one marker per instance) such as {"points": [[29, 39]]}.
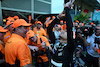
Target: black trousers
{"points": [[92, 61]]}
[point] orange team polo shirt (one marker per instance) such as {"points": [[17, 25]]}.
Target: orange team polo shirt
{"points": [[47, 24], [40, 32], [7, 36], [16, 46], [44, 57]]}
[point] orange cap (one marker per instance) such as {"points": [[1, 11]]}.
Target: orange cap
{"points": [[47, 18], [77, 21], [9, 22], [38, 22], [35, 22], [20, 22], [64, 21], [9, 17], [16, 17], [73, 22], [61, 20], [91, 23], [53, 17], [30, 34], [2, 30]]}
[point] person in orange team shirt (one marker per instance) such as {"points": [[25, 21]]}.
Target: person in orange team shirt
{"points": [[10, 29], [17, 52], [2, 52], [43, 46], [62, 25], [38, 30]]}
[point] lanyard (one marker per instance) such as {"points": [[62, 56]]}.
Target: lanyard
{"points": [[38, 33]]}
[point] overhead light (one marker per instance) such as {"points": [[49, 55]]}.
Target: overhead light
{"points": [[4, 20]]}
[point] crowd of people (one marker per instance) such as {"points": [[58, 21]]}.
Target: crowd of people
{"points": [[40, 44]]}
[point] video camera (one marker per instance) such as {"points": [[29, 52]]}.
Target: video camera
{"points": [[37, 53], [86, 30]]}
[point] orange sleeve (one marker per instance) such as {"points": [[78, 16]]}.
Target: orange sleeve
{"points": [[23, 54], [28, 42], [44, 33], [46, 41]]}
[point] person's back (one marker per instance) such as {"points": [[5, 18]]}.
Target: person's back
{"points": [[16, 47]]}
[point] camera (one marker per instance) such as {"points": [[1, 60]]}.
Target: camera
{"points": [[84, 31], [97, 40], [87, 30]]}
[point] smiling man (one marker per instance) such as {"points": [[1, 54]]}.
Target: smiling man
{"points": [[17, 52]]}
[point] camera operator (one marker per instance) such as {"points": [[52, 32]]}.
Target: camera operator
{"points": [[78, 57], [92, 55]]}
